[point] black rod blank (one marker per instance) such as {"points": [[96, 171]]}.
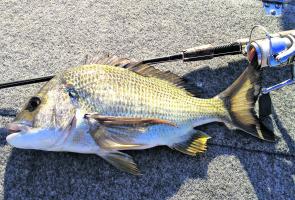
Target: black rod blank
{"points": [[163, 59], [25, 82]]}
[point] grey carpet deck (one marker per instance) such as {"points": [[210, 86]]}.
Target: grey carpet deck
{"points": [[38, 38]]}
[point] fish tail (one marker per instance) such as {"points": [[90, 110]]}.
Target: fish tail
{"points": [[239, 100]]}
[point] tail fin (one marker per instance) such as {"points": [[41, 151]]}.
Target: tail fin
{"points": [[240, 99]]}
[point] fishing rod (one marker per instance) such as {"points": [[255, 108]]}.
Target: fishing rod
{"points": [[282, 42]]}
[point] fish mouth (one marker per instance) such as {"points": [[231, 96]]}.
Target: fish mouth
{"points": [[17, 130], [23, 135], [16, 127]]}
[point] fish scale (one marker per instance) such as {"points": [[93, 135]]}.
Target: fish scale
{"points": [[120, 92]]}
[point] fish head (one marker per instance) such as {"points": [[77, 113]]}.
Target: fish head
{"points": [[45, 119]]}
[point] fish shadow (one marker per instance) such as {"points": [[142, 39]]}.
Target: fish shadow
{"points": [[47, 175]]}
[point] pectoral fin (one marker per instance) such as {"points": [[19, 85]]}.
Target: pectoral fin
{"points": [[128, 121], [197, 143], [122, 161], [113, 141], [117, 133]]}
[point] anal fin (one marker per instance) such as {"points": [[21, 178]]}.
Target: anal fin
{"points": [[197, 143], [122, 161]]}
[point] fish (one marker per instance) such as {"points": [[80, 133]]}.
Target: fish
{"points": [[112, 104]]}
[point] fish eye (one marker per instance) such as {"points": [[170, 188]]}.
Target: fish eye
{"points": [[33, 104], [73, 93]]}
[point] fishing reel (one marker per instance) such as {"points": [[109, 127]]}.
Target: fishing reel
{"points": [[273, 51]]}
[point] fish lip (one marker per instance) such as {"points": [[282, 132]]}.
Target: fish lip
{"points": [[20, 137], [16, 127]]}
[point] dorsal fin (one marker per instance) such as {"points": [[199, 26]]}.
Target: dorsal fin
{"points": [[149, 71], [144, 70], [109, 60]]}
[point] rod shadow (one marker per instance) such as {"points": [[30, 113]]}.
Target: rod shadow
{"points": [[47, 175]]}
